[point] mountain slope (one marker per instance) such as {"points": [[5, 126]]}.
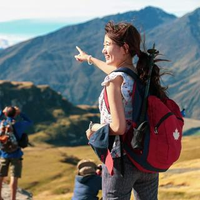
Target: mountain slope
{"points": [[50, 59], [37, 101], [179, 41], [56, 121]]}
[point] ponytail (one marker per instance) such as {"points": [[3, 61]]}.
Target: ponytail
{"points": [[143, 69]]}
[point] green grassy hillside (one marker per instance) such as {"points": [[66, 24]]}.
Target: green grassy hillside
{"points": [[56, 120]]}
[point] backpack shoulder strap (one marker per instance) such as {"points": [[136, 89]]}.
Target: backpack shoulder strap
{"points": [[14, 132], [128, 72], [12, 123], [105, 96], [138, 90]]}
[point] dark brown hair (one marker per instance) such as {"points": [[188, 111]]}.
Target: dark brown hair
{"points": [[11, 111], [125, 33], [122, 33]]}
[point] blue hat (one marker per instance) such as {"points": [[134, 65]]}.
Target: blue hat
{"points": [[99, 141]]}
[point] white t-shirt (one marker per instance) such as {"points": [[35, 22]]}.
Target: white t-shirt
{"points": [[105, 117]]}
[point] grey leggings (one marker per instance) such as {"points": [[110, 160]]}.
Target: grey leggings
{"points": [[144, 185]]}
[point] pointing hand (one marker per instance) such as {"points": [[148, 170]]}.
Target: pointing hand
{"points": [[82, 56]]}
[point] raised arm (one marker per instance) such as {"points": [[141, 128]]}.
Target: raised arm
{"points": [[82, 56], [23, 124], [26, 120]]}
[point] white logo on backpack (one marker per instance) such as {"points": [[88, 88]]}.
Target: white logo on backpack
{"points": [[176, 134]]}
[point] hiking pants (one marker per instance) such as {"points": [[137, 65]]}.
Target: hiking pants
{"points": [[144, 185]]}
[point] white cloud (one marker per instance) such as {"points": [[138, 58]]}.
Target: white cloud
{"points": [[23, 9], [3, 44], [13, 38]]}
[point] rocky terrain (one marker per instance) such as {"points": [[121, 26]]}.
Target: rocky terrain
{"points": [[21, 194]]}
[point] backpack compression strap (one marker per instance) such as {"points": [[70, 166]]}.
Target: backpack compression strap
{"points": [[105, 96], [128, 72]]}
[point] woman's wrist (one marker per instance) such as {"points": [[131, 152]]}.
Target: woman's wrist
{"points": [[89, 60], [93, 127]]}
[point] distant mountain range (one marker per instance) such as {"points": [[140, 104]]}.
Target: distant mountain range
{"points": [[50, 59], [179, 41]]}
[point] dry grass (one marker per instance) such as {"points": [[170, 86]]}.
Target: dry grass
{"points": [[181, 181], [190, 123], [48, 176]]}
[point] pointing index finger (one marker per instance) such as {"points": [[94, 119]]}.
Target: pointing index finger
{"points": [[78, 49]]}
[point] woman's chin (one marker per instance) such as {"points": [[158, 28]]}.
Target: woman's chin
{"points": [[108, 62]]}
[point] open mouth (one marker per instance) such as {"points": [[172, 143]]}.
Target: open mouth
{"points": [[107, 57]]}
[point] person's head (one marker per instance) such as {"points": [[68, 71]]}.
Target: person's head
{"points": [[86, 167], [121, 42], [10, 111]]}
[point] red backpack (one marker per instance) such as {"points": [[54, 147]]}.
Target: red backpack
{"points": [[161, 142]]}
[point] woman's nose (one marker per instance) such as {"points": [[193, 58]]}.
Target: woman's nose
{"points": [[103, 50]]}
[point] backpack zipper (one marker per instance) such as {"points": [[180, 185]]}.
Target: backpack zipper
{"points": [[160, 122]]}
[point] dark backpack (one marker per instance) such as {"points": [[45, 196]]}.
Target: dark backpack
{"points": [[24, 141], [162, 139]]}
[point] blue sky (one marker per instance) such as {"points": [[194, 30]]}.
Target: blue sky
{"points": [[54, 14]]}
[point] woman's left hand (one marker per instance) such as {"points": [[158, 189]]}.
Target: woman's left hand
{"points": [[89, 133]]}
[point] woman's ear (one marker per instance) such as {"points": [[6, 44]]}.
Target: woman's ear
{"points": [[126, 48]]}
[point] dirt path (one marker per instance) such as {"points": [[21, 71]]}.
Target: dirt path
{"points": [[21, 194]]}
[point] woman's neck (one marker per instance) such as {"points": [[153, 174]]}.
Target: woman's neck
{"points": [[127, 63]]}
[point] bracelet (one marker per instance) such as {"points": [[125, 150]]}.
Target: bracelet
{"points": [[89, 60]]}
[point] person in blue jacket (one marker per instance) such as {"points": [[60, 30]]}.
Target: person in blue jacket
{"points": [[13, 159], [87, 182]]}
